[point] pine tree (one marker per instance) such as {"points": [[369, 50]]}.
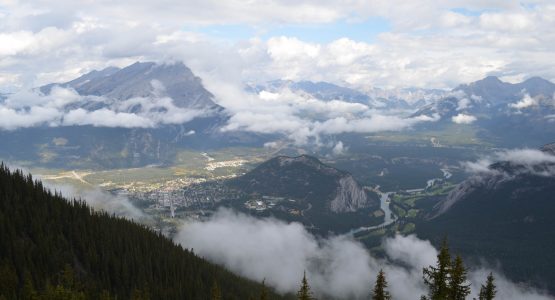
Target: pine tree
{"points": [[380, 292], [264, 291], [215, 292], [436, 278], [488, 291], [458, 286], [304, 292]]}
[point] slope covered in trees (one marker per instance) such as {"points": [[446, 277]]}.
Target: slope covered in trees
{"points": [[52, 248]]}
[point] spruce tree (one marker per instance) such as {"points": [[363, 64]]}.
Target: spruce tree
{"points": [[215, 292], [458, 286], [488, 291], [436, 278], [304, 292], [380, 292], [264, 291]]}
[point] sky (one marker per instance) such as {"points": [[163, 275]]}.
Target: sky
{"points": [[357, 43]]}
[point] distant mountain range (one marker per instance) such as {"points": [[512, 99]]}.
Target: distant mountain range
{"points": [[407, 98], [509, 212], [180, 112], [505, 114]]}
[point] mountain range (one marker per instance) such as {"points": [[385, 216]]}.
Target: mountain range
{"points": [[172, 110]]}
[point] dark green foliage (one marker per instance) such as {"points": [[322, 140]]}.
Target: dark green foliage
{"points": [[215, 292], [436, 278], [488, 291], [380, 289], [447, 280], [264, 292], [458, 286], [51, 248], [304, 292]]}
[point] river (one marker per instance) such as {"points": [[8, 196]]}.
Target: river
{"points": [[389, 217], [384, 203]]}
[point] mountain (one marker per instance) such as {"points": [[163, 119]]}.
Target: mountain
{"points": [[324, 91], [508, 211], [174, 109], [305, 177], [504, 114], [143, 79], [62, 249], [406, 98], [327, 196], [493, 96], [495, 91]]}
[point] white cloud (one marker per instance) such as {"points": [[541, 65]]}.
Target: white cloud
{"points": [[339, 266], [525, 102], [339, 148], [525, 156], [304, 119], [105, 118], [61, 107], [101, 200], [427, 44], [463, 119], [529, 160]]}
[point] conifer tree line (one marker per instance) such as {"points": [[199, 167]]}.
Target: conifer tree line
{"points": [[52, 248]]}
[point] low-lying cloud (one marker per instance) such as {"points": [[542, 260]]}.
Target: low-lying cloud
{"points": [[65, 107], [463, 119], [94, 196], [338, 267], [525, 102], [102, 200], [304, 119], [527, 160]]}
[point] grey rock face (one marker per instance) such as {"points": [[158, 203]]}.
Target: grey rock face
{"points": [[350, 196]]}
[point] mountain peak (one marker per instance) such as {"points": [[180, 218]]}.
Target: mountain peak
{"points": [[489, 81], [135, 80]]}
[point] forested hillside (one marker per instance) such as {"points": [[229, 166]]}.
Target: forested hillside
{"points": [[52, 248]]}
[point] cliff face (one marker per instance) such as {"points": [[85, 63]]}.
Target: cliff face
{"points": [[350, 196]]}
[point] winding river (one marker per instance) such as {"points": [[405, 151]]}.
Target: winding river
{"points": [[384, 206], [384, 203]]}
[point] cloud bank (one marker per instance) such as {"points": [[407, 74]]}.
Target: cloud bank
{"points": [[65, 107], [527, 160], [419, 43], [336, 267], [303, 118]]}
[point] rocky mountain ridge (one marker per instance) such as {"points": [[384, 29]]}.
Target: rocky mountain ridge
{"points": [[306, 178]]}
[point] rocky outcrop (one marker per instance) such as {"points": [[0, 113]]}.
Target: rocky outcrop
{"points": [[350, 196]]}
